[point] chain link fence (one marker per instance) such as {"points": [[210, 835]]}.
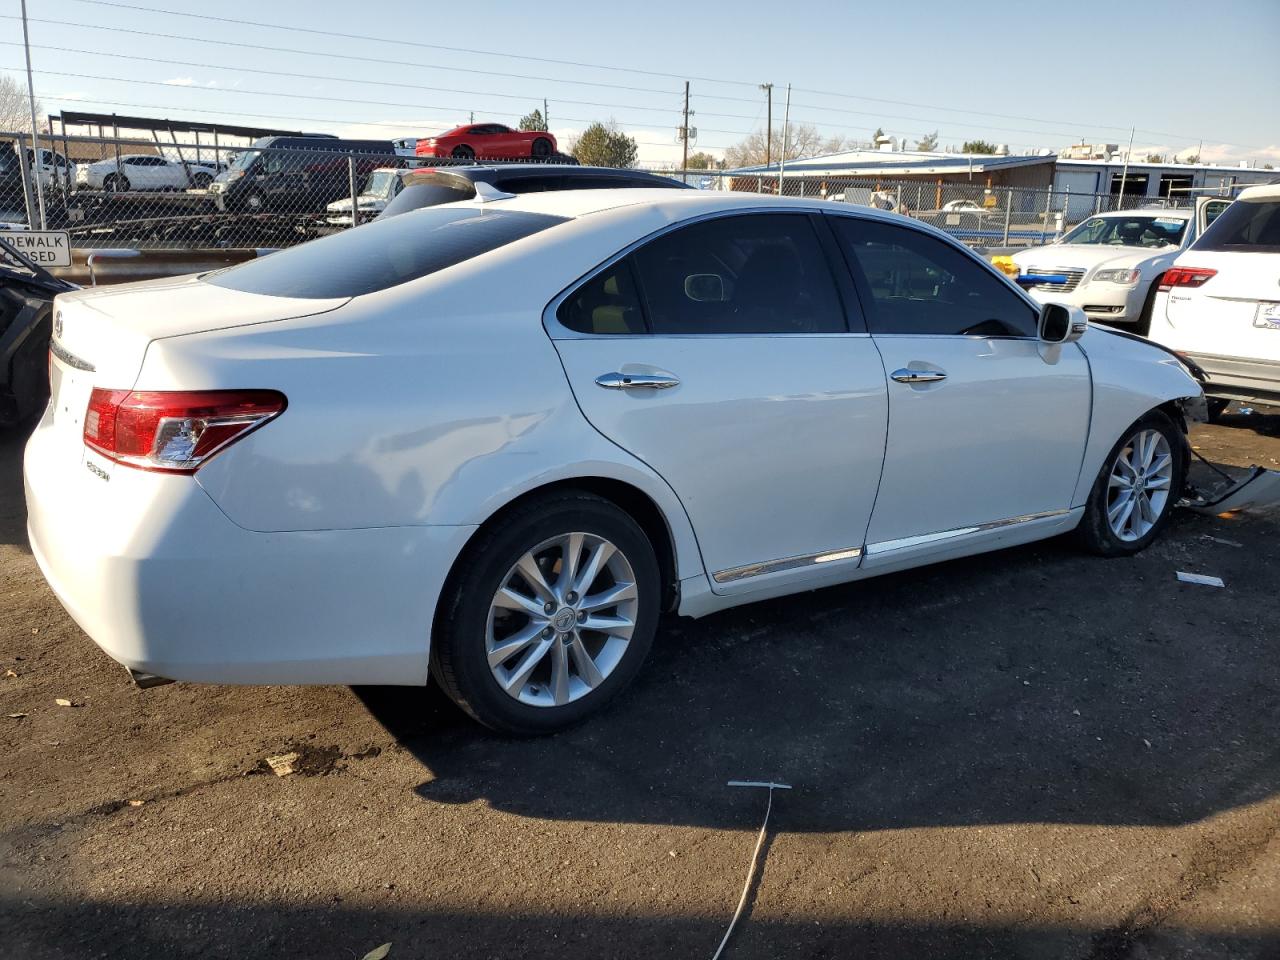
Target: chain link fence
{"points": [[139, 194]]}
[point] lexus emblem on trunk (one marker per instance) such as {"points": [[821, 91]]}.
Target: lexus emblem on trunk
{"points": [[57, 325]]}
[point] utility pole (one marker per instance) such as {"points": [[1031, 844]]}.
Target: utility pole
{"points": [[1124, 171], [786, 129], [684, 131], [546, 115], [471, 117], [768, 123], [35, 130]]}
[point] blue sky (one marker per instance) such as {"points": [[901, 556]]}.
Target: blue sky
{"points": [[1028, 74]]}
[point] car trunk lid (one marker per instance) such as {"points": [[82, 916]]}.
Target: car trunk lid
{"points": [[100, 337]]}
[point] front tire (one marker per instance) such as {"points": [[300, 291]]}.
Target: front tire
{"points": [[1133, 497], [115, 183], [542, 148], [548, 615]]}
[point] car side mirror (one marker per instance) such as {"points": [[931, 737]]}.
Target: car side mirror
{"points": [[1060, 323], [705, 288]]}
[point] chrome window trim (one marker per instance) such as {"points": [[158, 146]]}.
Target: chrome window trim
{"points": [[558, 331], [903, 543], [786, 563]]}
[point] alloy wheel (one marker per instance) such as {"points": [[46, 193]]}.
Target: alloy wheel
{"points": [[1140, 483], [561, 619]]}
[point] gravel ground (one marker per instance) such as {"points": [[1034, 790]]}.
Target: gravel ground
{"points": [[1030, 754]]}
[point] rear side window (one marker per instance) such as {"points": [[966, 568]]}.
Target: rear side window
{"points": [[754, 273], [608, 303], [383, 254], [923, 286], [1247, 226]]}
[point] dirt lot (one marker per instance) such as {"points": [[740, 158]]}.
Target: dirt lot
{"points": [[1031, 754]]}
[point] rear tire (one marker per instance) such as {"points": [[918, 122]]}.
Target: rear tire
{"points": [[115, 183], [463, 153], [1134, 494], [560, 667]]}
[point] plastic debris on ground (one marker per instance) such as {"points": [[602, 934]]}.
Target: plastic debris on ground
{"points": [[1200, 578]]}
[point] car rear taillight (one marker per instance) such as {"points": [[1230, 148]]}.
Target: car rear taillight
{"points": [[173, 431], [1186, 277]]}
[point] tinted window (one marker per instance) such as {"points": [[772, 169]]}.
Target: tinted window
{"points": [[607, 303], [758, 273], [381, 254], [922, 285], [417, 194], [1247, 226]]}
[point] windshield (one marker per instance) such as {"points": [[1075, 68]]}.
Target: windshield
{"points": [[1152, 231], [381, 183], [242, 161], [382, 254]]}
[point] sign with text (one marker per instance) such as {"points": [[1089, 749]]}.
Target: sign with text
{"points": [[48, 248]]}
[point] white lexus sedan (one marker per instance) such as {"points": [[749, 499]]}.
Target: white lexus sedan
{"points": [[494, 440], [144, 171]]}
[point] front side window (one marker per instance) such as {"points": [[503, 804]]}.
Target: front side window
{"points": [[383, 254], [1247, 226], [754, 273], [921, 285]]}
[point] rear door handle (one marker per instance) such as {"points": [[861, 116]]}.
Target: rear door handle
{"points": [[918, 376], [636, 381]]}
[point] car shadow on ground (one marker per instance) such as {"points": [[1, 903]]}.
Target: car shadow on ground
{"points": [[1031, 685], [231, 929]]}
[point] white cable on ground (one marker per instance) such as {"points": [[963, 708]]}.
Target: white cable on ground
{"points": [[755, 855]]}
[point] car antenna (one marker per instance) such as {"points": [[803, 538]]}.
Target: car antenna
{"points": [[487, 193]]}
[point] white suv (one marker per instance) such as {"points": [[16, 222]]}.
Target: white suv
{"points": [[1219, 304]]}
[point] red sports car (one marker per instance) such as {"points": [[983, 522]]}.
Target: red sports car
{"points": [[488, 141]]}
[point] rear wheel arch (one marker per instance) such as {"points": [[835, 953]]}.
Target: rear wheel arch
{"points": [[625, 496]]}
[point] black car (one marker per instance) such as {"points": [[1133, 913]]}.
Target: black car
{"points": [[429, 186], [297, 175]]}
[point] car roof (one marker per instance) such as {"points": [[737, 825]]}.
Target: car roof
{"points": [[1264, 191], [1174, 213], [676, 204], [492, 172]]}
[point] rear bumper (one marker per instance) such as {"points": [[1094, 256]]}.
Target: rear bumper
{"points": [[157, 575], [1238, 378]]}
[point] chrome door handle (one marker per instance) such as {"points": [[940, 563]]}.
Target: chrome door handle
{"points": [[918, 376], [635, 381]]}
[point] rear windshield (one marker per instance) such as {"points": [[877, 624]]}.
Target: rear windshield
{"points": [[383, 254], [1246, 226]]}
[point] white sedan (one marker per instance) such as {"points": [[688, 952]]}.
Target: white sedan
{"points": [[494, 440], [144, 171], [1110, 265]]}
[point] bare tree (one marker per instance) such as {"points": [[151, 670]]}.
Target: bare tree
{"points": [[15, 114], [802, 139]]}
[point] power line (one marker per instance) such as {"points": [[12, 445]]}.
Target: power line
{"points": [[612, 67], [325, 97], [343, 35], [263, 116]]}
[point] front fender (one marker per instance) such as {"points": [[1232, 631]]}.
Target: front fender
{"points": [[1130, 378]]}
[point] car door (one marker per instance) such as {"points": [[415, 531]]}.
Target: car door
{"points": [[987, 425], [721, 354]]}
